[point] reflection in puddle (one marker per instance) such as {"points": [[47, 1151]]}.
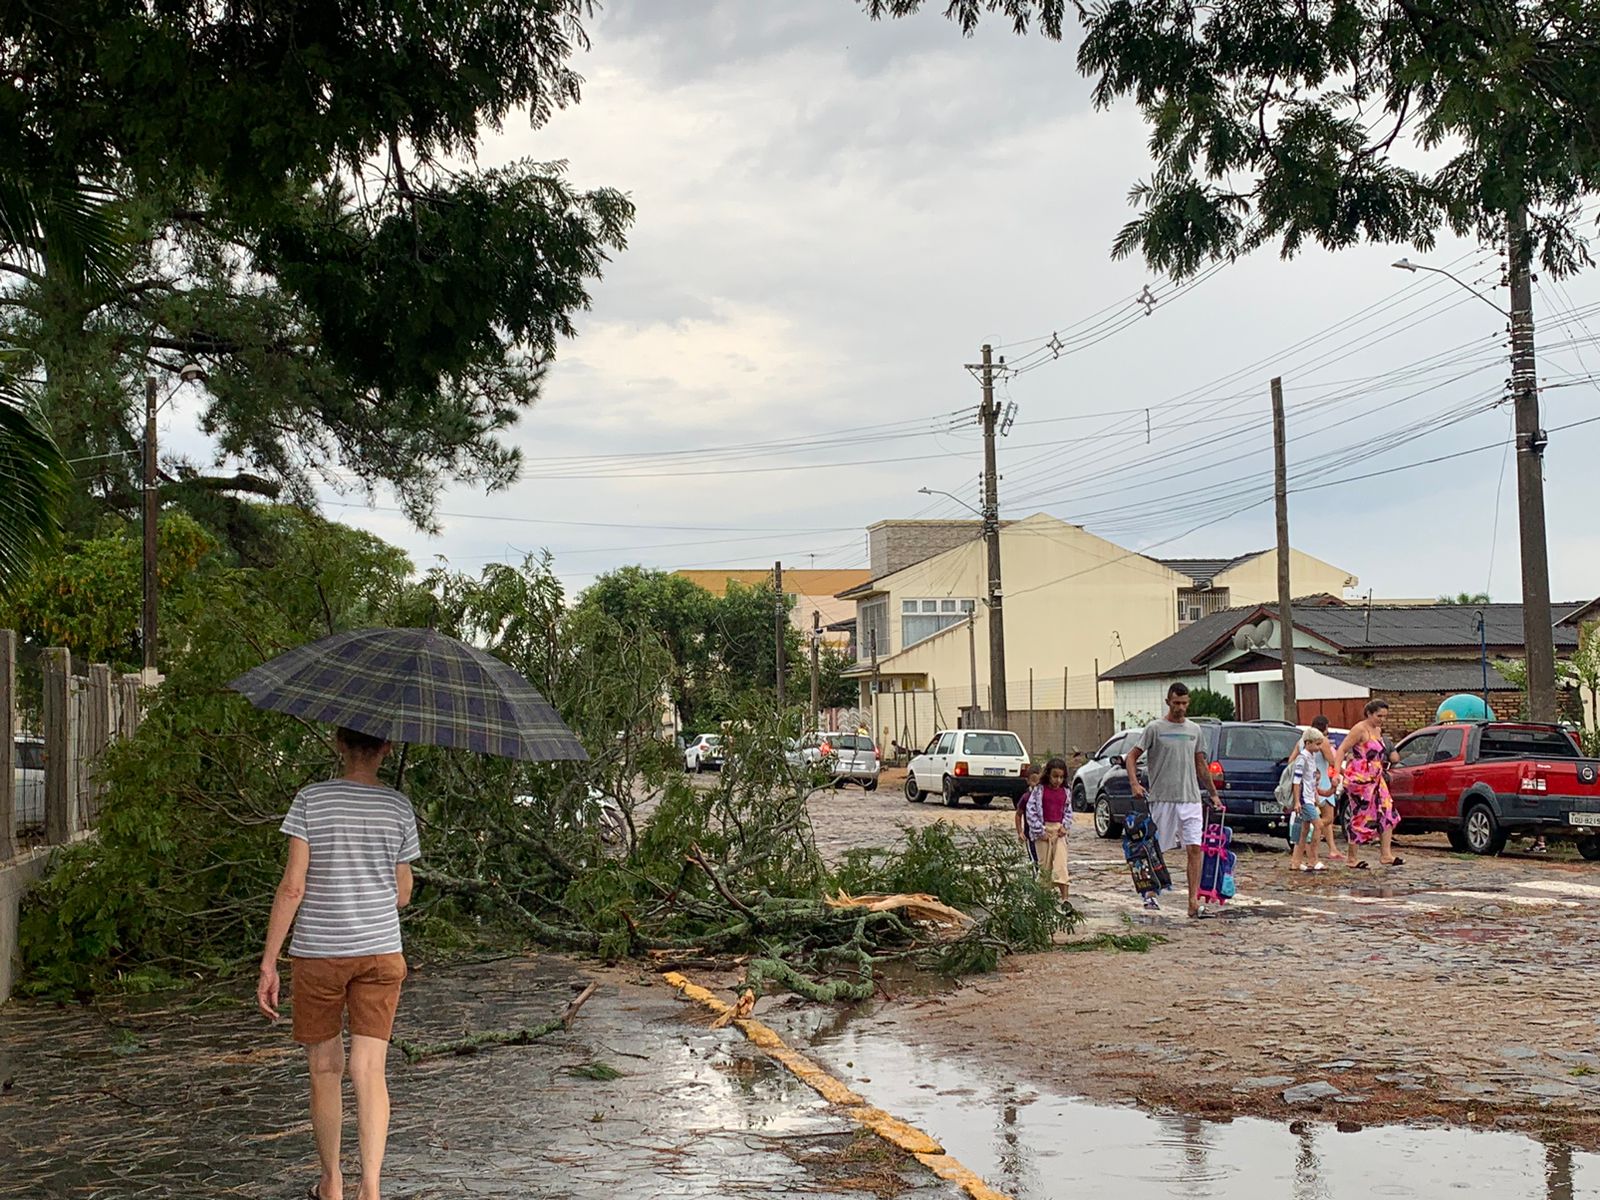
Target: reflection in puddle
{"points": [[1042, 1145]]}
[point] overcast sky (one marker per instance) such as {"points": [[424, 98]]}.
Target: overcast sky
{"points": [[833, 216]]}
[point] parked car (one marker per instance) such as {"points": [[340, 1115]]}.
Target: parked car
{"points": [[1246, 759], [1088, 778], [981, 763], [848, 757], [1482, 782], [28, 780], [704, 752]]}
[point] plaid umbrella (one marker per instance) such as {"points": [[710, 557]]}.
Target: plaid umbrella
{"points": [[414, 685]]}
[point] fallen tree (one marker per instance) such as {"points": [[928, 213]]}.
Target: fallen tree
{"points": [[177, 887]]}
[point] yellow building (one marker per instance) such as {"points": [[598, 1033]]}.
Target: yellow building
{"points": [[1075, 605]]}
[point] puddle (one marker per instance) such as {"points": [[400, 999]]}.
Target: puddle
{"points": [[1040, 1145]]}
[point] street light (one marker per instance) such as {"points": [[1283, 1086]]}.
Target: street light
{"points": [[953, 496], [1405, 264]]}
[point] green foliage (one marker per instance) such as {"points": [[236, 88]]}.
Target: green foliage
{"points": [[89, 598], [722, 647], [1203, 702], [1466, 599], [34, 478], [277, 172], [1276, 120]]}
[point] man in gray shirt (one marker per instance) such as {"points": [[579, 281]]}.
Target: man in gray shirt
{"points": [[1174, 750], [351, 843]]}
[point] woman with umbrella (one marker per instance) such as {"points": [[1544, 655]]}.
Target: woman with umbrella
{"points": [[352, 840]]}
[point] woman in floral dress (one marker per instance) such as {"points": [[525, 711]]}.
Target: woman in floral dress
{"points": [[1363, 761]]}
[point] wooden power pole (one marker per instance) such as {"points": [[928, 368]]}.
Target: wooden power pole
{"points": [[1537, 635], [148, 624], [781, 620], [816, 677], [989, 415], [972, 655], [1280, 488]]}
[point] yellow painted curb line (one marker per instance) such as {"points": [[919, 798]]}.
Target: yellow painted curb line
{"points": [[890, 1128]]}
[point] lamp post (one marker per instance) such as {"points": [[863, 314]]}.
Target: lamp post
{"points": [[1538, 638]]}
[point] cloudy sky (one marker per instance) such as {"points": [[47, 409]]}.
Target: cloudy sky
{"points": [[833, 216]]}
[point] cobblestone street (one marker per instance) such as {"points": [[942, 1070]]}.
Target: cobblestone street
{"points": [[1452, 988]]}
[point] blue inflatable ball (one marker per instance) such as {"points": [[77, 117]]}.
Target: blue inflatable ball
{"points": [[1464, 707]]}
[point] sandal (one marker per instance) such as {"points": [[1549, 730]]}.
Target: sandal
{"points": [[1361, 866], [1320, 867], [1395, 862]]}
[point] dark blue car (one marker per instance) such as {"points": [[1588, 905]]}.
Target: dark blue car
{"points": [[1246, 759]]}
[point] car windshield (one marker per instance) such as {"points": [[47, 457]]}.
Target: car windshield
{"points": [[1262, 743], [713, 740], [30, 755], [995, 745]]}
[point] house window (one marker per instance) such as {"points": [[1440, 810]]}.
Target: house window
{"points": [[874, 630], [920, 619]]}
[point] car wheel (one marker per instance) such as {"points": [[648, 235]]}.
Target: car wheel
{"points": [[869, 785], [1457, 840], [1105, 825], [913, 793], [1080, 802], [983, 801], [699, 766], [1483, 833], [1589, 848], [951, 800], [839, 784]]}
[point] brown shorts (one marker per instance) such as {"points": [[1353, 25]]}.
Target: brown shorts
{"points": [[322, 989]]}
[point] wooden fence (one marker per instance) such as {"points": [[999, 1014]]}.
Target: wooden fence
{"points": [[55, 796]]}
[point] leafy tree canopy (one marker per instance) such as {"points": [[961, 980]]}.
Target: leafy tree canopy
{"points": [[1291, 121], [366, 312]]}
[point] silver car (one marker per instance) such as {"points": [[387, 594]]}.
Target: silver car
{"points": [[1087, 779], [848, 757], [28, 779]]}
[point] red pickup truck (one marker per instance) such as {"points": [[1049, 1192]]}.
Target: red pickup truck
{"points": [[1480, 782]]}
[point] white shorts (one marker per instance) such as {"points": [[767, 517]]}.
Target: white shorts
{"points": [[1177, 824]]}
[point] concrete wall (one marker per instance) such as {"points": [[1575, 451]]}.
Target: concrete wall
{"points": [[16, 877], [895, 545]]}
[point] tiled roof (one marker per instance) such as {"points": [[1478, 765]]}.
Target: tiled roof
{"points": [[1176, 655], [1460, 676], [1203, 570]]}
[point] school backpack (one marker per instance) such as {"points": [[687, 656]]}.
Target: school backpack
{"points": [[1284, 792]]}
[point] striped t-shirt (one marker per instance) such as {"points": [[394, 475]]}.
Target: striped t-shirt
{"points": [[357, 833]]}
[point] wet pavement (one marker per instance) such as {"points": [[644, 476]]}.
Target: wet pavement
{"points": [[1424, 1031], [195, 1103], [1041, 1144]]}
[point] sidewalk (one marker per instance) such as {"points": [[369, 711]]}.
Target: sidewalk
{"points": [[186, 1102]]}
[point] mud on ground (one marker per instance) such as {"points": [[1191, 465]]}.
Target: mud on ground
{"points": [[1453, 988]]}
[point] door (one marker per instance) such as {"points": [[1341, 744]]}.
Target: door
{"points": [[1416, 752], [1342, 712], [1436, 786], [942, 753], [1247, 701]]}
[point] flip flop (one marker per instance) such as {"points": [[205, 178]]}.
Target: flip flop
{"points": [[1320, 867], [1361, 866], [1395, 862]]}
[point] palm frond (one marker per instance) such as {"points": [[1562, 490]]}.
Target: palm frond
{"points": [[34, 482]]}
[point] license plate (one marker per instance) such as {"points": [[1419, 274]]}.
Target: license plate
{"points": [[995, 771], [1268, 807], [1589, 820]]}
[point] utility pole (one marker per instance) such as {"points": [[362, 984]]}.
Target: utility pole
{"points": [[148, 625], [816, 679], [781, 619], [989, 416], [1280, 488], [972, 655], [1537, 636]]}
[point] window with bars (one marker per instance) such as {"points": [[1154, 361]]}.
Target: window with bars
{"points": [[921, 618]]}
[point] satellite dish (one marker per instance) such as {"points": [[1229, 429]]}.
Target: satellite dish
{"points": [[1241, 640], [1262, 633]]}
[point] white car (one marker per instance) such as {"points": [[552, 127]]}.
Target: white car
{"points": [[703, 752], [28, 780], [1088, 779], [981, 763], [849, 757]]}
